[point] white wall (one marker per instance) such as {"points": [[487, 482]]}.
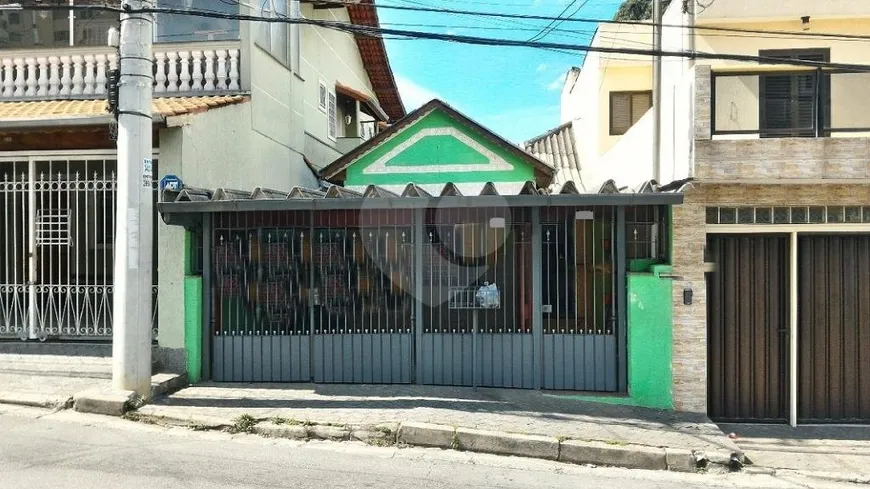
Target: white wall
{"points": [[344, 66], [742, 10], [677, 133], [218, 148]]}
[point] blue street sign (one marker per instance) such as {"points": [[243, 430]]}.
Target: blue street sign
{"points": [[171, 183]]}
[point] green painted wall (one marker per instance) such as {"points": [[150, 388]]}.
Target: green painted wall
{"points": [[192, 313], [440, 152], [650, 340], [193, 327]]}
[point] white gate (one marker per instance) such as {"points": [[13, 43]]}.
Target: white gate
{"points": [[57, 227]]}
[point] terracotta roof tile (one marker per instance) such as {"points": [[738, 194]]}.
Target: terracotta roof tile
{"points": [[375, 60], [63, 109]]}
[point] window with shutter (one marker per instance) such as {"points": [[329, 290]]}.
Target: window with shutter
{"points": [[332, 117], [626, 108], [322, 96], [787, 102]]}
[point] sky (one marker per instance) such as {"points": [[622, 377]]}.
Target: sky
{"points": [[513, 91]]}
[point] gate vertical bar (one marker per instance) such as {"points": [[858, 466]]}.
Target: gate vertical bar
{"points": [[537, 317], [793, 333], [207, 296], [31, 248], [311, 291], [621, 326], [419, 216]]}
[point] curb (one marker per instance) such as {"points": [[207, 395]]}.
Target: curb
{"points": [[35, 400], [110, 403], [862, 479], [449, 438]]}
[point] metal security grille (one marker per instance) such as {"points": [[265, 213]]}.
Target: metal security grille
{"points": [[466, 249], [362, 303], [324, 297], [579, 291], [57, 221]]}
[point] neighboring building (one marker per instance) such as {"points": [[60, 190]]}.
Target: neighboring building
{"points": [[772, 245], [236, 104], [377, 281]]}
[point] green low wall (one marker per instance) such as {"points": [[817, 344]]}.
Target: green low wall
{"points": [[193, 327], [650, 340]]}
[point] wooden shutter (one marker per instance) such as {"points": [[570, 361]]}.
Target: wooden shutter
{"points": [[787, 102], [332, 116], [620, 113], [640, 104]]}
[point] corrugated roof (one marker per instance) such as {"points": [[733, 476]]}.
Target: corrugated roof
{"points": [[557, 147], [68, 109], [189, 194], [185, 207]]}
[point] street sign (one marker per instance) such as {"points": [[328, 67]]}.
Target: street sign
{"points": [[171, 183]]}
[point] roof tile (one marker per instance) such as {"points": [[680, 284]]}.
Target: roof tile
{"points": [[62, 109]]}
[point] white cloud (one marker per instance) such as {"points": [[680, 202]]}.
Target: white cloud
{"points": [[452, 32], [414, 95], [542, 67], [557, 84]]}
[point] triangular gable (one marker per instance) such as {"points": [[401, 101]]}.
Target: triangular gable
{"points": [[436, 145]]}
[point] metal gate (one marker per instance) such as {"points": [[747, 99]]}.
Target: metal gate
{"points": [[324, 297], [390, 296], [748, 321], [578, 297], [462, 344], [834, 328], [57, 225]]}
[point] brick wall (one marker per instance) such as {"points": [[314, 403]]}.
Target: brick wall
{"points": [[690, 322]]}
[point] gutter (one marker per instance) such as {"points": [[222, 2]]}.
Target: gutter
{"points": [[87, 121]]}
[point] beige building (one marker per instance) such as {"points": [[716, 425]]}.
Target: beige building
{"points": [[771, 249], [236, 104]]}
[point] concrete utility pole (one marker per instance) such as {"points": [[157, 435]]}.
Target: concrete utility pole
{"points": [[657, 90], [131, 310]]}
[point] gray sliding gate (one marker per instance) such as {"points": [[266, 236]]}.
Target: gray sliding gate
{"points": [[465, 249], [296, 300], [387, 296], [579, 293]]}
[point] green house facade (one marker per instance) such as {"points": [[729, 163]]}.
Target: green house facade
{"points": [[433, 146]]}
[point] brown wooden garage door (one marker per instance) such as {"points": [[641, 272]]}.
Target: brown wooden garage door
{"points": [[834, 328], [747, 309]]}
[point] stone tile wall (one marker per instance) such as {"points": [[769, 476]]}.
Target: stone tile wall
{"points": [[690, 321]]}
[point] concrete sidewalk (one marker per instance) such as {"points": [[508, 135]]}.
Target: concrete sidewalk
{"points": [[841, 451], [457, 418]]}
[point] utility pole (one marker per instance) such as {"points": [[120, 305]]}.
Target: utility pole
{"points": [[657, 90], [131, 309]]}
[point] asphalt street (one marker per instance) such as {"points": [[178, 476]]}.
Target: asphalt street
{"points": [[69, 450]]}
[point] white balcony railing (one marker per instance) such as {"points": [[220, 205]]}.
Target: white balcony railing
{"points": [[196, 68]]}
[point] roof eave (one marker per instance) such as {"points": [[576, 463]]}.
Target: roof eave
{"points": [[325, 204]]}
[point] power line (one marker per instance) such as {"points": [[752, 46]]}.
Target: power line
{"points": [[484, 41], [595, 21], [543, 31], [553, 25]]}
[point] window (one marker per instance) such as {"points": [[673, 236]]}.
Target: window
{"points": [[186, 28], [787, 102], [274, 37], [323, 97], [51, 28], [332, 117], [626, 108]]}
